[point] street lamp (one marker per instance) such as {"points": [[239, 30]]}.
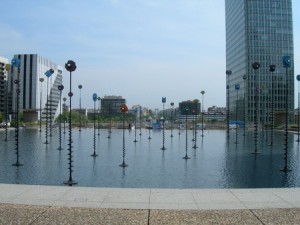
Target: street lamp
{"points": [[228, 73], [48, 74], [202, 120], [163, 121], [298, 116], [286, 60], [17, 63], [124, 109], [80, 87], [64, 99], [41, 97], [70, 66], [237, 88], [255, 67], [94, 137], [135, 115], [60, 88], [186, 134], [272, 70]]}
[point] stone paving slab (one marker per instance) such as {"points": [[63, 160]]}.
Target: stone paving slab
{"points": [[37, 215]]}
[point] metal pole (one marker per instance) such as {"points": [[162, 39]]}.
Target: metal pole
{"points": [[186, 135], [256, 66], [228, 73], [202, 120], [245, 102], [135, 115], [298, 110], [237, 87], [16, 62], [60, 88], [140, 120], [80, 87], [41, 97], [94, 136], [163, 120], [70, 66]]}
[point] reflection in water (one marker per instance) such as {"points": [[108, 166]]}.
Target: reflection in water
{"points": [[217, 162]]}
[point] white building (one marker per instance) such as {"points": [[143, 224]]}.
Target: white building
{"points": [[36, 96], [3, 82]]}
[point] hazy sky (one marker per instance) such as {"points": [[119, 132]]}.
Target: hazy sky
{"points": [[142, 50]]}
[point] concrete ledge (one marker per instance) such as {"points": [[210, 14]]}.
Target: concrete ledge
{"points": [[35, 204]]}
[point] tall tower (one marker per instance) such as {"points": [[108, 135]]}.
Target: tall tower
{"points": [[36, 95], [259, 31]]}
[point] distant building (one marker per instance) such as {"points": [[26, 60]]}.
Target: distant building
{"points": [[215, 109], [193, 110], [3, 84], [35, 94], [112, 104]]}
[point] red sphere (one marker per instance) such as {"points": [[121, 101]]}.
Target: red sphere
{"points": [[70, 94]]}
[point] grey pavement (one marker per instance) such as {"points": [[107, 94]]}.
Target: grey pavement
{"points": [[37, 204]]}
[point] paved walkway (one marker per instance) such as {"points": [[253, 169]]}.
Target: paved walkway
{"points": [[34, 204]]}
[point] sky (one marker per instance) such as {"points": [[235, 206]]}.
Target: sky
{"points": [[142, 50]]}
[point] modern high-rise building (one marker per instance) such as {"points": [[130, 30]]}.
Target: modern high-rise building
{"points": [[36, 96], [259, 31]]}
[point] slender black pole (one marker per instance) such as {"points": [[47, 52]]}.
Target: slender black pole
{"points": [[60, 88], [285, 169], [109, 126], [135, 114], [6, 110], [123, 163], [202, 120], [51, 109], [172, 119], [47, 110], [228, 73], [98, 115], [186, 135], [149, 127], [140, 120], [163, 121], [245, 102], [256, 66], [80, 87], [298, 111], [237, 87], [70, 66], [94, 136], [41, 101], [17, 82]]}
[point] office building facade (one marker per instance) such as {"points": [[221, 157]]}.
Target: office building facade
{"points": [[36, 96], [258, 31], [3, 85], [112, 104]]}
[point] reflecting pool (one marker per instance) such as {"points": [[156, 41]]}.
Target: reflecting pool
{"points": [[218, 162]]}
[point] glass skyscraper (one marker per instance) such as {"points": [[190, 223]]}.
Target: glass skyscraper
{"points": [[259, 31]]}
